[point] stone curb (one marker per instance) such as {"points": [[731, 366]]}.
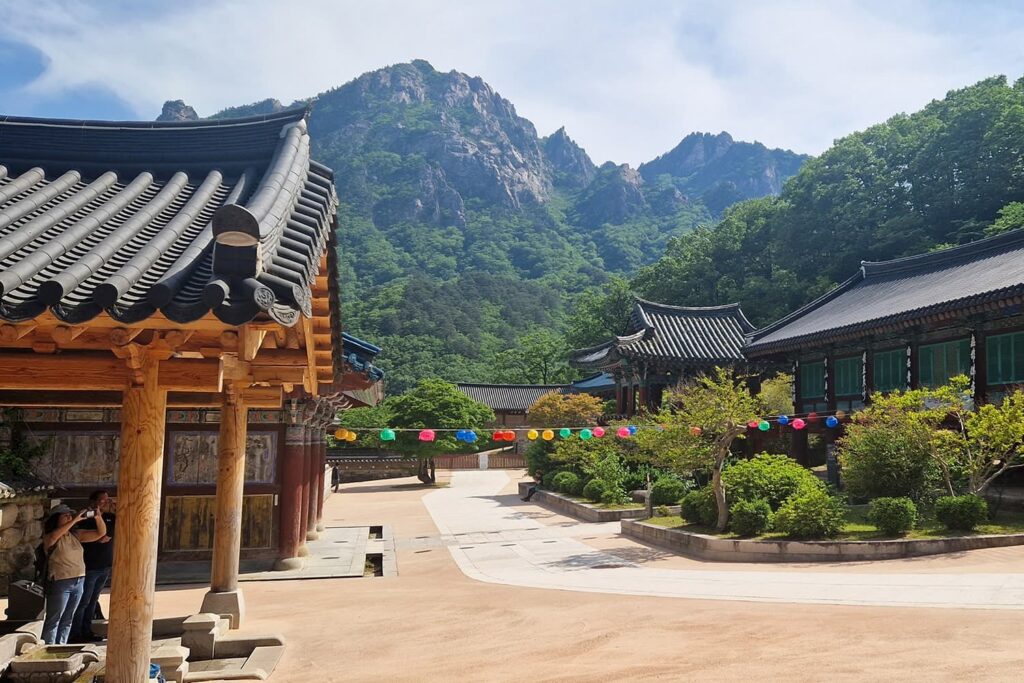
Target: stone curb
{"points": [[717, 549], [583, 511]]}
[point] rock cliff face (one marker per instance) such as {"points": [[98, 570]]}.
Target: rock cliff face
{"points": [[571, 165], [615, 195], [177, 110]]}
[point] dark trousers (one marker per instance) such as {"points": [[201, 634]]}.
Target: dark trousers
{"points": [[95, 581]]}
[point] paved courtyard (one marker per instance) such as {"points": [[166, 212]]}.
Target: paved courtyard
{"points": [[433, 622]]}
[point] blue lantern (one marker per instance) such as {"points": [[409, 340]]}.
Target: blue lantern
{"points": [[460, 435], [783, 420], [831, 421], [470, 436], [632, 429]]}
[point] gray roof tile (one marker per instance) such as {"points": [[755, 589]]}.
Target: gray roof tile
{"points": [[509, 397]]}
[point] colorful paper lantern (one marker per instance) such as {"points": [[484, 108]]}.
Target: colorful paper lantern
{"points": [[753, 424], [532, 434], [387, 435], [599, 432], [351, 436], [783, 420], [840, 414], [622, 432], [763, 425], [812, 417], [547, 435], [510, 435], [799, 424], [565, 432], [340, 434], [632, 429], [460, 435], [427, 435], [470, 436], [831, 421], [585, 434], [696, 431]]}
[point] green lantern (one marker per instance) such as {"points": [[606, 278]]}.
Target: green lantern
{"points": [[585, 434], [387, 435], [565, 432], [763, 425]]}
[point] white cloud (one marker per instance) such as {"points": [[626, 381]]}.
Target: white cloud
{"points": [[628, 80]]}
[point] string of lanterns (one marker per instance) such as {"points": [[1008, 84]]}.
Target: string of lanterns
{"points": [[586, 433]]}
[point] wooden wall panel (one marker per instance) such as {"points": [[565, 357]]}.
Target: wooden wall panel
{"points": [[188, 522]]}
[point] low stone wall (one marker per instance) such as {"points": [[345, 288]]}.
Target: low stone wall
{"points": [[21, 529], [584, 511], [717, 549]]}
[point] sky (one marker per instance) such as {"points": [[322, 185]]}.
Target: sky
{"points": [[627, 79]]}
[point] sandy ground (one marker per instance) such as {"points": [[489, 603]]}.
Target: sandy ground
{"points": [[432, 623]]}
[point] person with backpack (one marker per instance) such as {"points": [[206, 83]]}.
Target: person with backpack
{"points": [[99, 559], [64, 573]]}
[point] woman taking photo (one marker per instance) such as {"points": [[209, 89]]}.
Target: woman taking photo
{"points": [[65, 571]]}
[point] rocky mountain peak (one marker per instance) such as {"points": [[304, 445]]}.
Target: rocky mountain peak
{"points": [[615, 195], [177, 110], [695, 151], [572, 167]]}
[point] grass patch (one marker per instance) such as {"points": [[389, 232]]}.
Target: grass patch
{"points": [[857, 528], [603, 506]]}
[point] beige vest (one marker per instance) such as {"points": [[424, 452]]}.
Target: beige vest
{"points": [[66, 559]]}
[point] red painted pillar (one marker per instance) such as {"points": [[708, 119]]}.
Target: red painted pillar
{"points": [[304, 502], [321, 468], [290, 502], [316, 441]]}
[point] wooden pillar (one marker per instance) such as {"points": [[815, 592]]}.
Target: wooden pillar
{"points": [[979, 366], [304, 502], [868, 365], [224, 596], [314, 487], [797, 397], [830, 381], [322, 469], [620, 398], [290, 505], [913, 365], [130, 630]]}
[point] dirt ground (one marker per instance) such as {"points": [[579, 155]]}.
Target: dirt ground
{"points": [[431, 623]]}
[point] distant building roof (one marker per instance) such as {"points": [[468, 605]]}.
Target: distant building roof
{"points": [[509, 398], [186, 218], [691, 335], [359, 355], [907, 291], [601, 381]]}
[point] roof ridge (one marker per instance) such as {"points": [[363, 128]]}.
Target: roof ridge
{"points": [[496, 384], [285, 115], [696, 309], [944, 256]]}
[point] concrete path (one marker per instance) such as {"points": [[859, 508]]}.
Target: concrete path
{"points": [[495, 542]]}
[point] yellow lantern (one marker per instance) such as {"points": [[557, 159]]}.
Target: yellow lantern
{"points": [[532, 435], [351, 436], [341, 434], [548, 435], [840, 414]]}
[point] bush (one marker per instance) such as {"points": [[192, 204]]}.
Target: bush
{"points": [[888, 458], [699, 507], [893, 516], [614, 495], [963, 513], [811, 514], [662, 511], [548, 480], [594, 490], [772, 478], [668, 491], [538, 458], [568, 483], [750, 517]]}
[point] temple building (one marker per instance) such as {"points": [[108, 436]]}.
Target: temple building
{"points": [[907, 323], [662, 345], [510, 402], [170, 329]]}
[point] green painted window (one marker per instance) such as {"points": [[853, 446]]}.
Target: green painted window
{"points": [[1004, 358], [849, 376], [939, 362], [812, 380], [890, 370]]}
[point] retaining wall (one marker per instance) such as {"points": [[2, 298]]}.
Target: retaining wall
{"points": [[717, 549], [583, 511]]}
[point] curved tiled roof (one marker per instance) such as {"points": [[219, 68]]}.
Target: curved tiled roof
{"points": [[905, 291], [695, 335], [185, 218], [515, 398]]}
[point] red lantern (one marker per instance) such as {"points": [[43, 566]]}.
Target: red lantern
{"points": [[427, 435], [812, 417], [696, 431], [753, 424], [599, 432]]}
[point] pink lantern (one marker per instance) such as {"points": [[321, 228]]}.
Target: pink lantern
{"points": [[753, 424], [799, 424], [622, 432], [427, 435], [599, 432]]}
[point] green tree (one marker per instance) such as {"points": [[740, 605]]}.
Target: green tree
{"points": [[538, 357], [599, 313], [565, 410], [367, 422], [701, 421], [435, 404]]}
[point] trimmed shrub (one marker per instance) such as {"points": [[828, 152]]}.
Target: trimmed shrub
{"points": [[811, 514], [888, 458], [750, 517], [772, 478], [699, 507], [661, 511], [893, 516], [962, 513], [538, 458], [594, 490], [548, 480], [668, 491], [568, 483], [612, 496]]}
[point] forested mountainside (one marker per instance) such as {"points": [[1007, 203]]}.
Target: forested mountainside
{"points": [[466, 237], [948, 174]]}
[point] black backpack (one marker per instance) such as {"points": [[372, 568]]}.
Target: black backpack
{"points": [[42, 564]]}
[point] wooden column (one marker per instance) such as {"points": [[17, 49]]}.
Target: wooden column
{"points": [[224, 596], [979, 363], [290, 505], [315, 479], [321, 468], [830, 381], [913, 364], [130, 630], [307, 436]]}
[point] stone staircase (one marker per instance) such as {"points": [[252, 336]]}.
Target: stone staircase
{"points": [[215, 654]]}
